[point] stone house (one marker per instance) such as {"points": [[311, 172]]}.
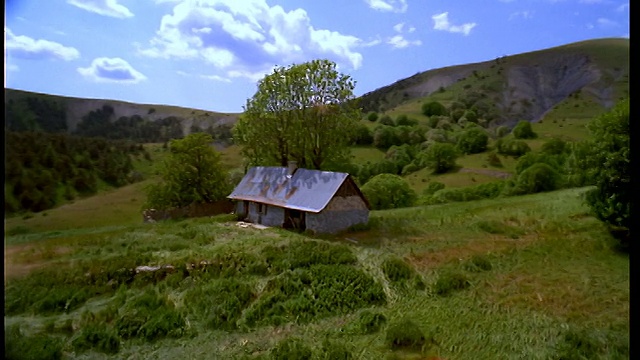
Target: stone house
{"points": [[304, 199]]}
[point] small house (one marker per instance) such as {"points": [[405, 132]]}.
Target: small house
{"points": [[304, 199]]}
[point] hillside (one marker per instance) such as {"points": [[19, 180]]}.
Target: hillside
{"points": [[519, 87], [74, 109]]}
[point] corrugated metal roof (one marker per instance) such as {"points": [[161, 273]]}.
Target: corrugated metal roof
{"points": [[306, 190]]}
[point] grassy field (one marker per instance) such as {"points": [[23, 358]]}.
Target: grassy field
{"points": [[532, 277]]}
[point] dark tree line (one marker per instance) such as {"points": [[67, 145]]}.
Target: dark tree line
{"points": [[42, 169], [35, 114]]}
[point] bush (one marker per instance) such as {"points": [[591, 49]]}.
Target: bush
{"points": [[433, 108], [538, 177], [432, 187], [334, 350], [404, 120], [220, 302], [473, 140], [397, 270], [440, 157], [19, 346], [291, 349], [478, 263], [523, 130], [368, 322], [98, 337], [469, 193], [303, 295], [387, 191], [372, 116], [494, 160], [386, 120], [405, 334], [449, 282], [512, 147], [301, 254]]}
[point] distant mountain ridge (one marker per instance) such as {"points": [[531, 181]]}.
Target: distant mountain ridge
{"points": [[507, 89], [524, 86]]}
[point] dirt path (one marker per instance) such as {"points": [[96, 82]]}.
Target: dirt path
{"points": [[494, 173]]}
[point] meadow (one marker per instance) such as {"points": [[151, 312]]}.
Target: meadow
{"points": [[531, 277]]}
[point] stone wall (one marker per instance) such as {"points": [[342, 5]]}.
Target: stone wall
{"points": [[340, 214]]}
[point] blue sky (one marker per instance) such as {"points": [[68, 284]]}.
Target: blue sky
{"points": [[209, 54]]}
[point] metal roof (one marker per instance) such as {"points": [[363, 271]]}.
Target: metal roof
{"points": [[305, 190]]}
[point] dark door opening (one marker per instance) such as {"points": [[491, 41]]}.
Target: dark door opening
{"points": [[294, 219]]}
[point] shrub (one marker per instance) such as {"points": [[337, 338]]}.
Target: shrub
{"points": [[494, 160], [432, 108], [512, 147], [523, 130], [404, 120], [469, 193], [19, 346], [334, 350], [372, 116], [368, 322], [291, 349], [300, 254], [538, 177], [473, 140], [387, 191], [405, 334], [98, 337], [432, 187], [440, 157], [478, 263], [220, 302], [303, 295], [397, 270], [449, 282], [386, 120]]}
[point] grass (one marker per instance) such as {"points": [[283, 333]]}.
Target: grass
{"points": [[555, 289]]}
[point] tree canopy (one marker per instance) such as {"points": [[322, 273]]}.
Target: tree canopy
{"points": [[304, 112], [611, 200], [192, 173]]}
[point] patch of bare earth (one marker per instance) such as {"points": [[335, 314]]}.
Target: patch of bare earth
{"points": [[495, 244], [495, 173], [20, 260]]}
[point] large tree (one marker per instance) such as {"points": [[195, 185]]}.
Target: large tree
{"points": [[610, 146], [192, 173], [304, 112]]}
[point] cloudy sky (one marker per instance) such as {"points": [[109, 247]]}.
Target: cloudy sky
{"points": [[208, 54]]}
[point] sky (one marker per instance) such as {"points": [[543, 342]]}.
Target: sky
{"points": [[210, 54]]}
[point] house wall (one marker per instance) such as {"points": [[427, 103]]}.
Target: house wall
{"points": [[340, 214], [270, 216]]}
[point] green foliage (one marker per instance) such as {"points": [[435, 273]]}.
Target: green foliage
{"points": [[220, 302], [291, 349], [388, 191], [473, 140], [440, 157], [33, 113], [488, 190], [404, 120], [334, 350], [432, 187], [44, 170], [580, 344], [305, 113], [581, 168], [501, 131], [450, 281], [297, 254], [98, 337], [386, 120], [397, 270], [192, 174], [372, 116], [478, 263], [494, 160], [150, 316], [537, 178], [611, 200], [523, 130], [21, 347], [512, 147], [406, 334], [434, 108], [367, 322], [362, 135], [385, 136], [554, 146], [305, 294]]}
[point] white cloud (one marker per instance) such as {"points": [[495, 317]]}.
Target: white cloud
{"points": [[398, 6], [103, 7], [602, 22], [623, 7], [400, 42], [441, 22], [245, 38], [216, 78], [398, 27], [112, 70], [521, 15], [27, 48]]}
